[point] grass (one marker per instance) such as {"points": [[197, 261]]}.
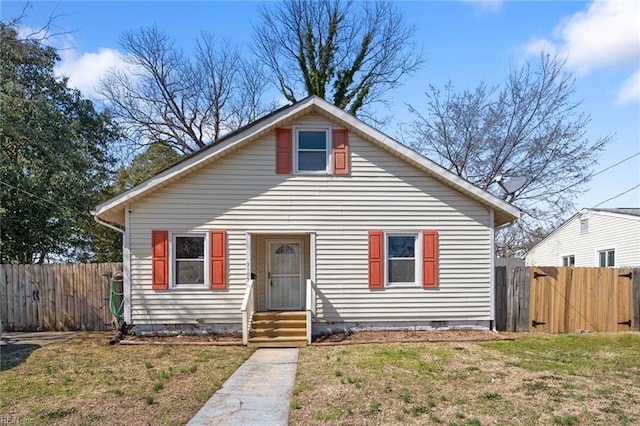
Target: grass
{"points": [[536, 379], [86, 381]]}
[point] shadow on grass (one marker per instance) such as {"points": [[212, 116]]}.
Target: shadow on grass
{"points": [[12, 354]]}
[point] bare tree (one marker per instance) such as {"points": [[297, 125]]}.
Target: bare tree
{"points": [[184, 101], [530, 128], [350, 53]]}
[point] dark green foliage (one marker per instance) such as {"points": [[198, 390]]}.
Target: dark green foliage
{"points": [[54, 160]]}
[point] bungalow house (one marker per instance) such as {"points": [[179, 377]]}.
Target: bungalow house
{"points": [[304, 222], [592, 237]]}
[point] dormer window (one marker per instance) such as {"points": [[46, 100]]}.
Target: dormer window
{"points": [[312, 148]]}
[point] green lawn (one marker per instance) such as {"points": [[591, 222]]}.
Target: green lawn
{"points": [[85, 381], [536, 379]]}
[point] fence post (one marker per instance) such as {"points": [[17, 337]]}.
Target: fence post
{"points": [[636, 298], [500, 302]]}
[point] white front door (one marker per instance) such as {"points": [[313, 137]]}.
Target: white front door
{"points": [[285, 274]]}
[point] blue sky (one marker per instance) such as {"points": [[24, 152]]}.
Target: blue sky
{"points": [[465, 42]]}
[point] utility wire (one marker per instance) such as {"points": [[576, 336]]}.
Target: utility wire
{"points": [[619, 195], [585, 179], [601, 171], [78, 213], [619, 162]]}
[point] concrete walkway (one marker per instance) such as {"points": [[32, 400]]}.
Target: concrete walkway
{"points": [[256, 394], [17, 341]]}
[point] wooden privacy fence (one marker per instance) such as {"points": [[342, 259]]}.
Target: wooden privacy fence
{"points": [[56, 297], [567, 300]]}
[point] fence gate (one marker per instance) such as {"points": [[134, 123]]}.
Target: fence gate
{"points": [[565, 300]]}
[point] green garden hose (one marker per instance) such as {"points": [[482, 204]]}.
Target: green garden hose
{"points": [[117, 310]]}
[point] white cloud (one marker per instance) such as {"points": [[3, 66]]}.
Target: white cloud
{"points": [[630, 90], [605, 35], [85, 70]]}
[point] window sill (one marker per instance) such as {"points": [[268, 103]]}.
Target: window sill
{"points": [[189, 287], [403, 285], [320, 173]]}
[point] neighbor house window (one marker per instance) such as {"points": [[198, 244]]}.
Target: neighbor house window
{"points": [[189, 266], [401, 259], [569, 260], [312, 150], [606, 258], [584, 226]]}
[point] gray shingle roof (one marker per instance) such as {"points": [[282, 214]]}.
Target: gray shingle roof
{"points": [[629, 211]]}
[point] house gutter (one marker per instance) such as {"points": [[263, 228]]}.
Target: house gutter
{"points": [[108, 225]]}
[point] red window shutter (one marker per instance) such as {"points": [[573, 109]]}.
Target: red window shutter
{"points": [[160, 260], [429, 259], [376, 260], [340, 152], [218, 266], [283, 151]]}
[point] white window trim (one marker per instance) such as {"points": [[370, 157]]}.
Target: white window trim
{"points": [[172, 261], [328, 131], [417, 258], [562, 256], [615, 257]]}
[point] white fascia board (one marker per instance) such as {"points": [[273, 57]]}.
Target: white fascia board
{"points": [[554, 232]]}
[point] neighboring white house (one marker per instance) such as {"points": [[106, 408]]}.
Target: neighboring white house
{"points": [[592, 237], [307, 209]]}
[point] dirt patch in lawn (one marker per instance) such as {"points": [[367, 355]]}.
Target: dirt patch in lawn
{"points": [[353, 338], [409, 336], [227, 338]]}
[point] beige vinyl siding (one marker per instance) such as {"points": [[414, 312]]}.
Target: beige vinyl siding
{"points": [[241, 193], [606, 231]]}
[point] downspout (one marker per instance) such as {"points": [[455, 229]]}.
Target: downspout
{"points": [[126, 260], [492, 234]]}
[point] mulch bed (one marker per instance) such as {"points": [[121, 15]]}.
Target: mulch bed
{"points": [[353, 338], [409, 336]]}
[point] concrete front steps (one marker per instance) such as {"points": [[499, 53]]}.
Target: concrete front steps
{"points": [[278, 330]]}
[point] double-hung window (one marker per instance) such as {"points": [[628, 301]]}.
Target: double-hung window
{"points": [[606, 258], [312, 148], [569, 260], [401, 250], [189, 266]]}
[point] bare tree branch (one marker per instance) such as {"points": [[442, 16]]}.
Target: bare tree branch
{"points": [[350, 53], [187, 102], [531, 127]]}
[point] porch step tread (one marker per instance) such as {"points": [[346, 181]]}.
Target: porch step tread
{"points": [[278, 329], [266, 323], [274, 332], [277, 342], [280, 316]]}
